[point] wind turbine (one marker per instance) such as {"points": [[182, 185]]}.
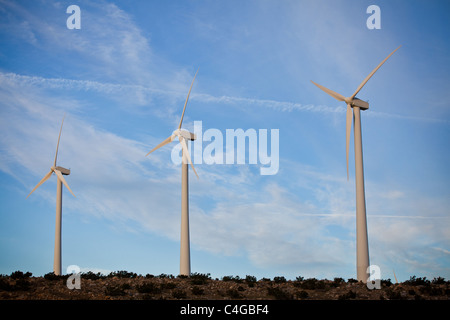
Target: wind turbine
{"points": [[60, 172], [183, 135], [362, 246]]}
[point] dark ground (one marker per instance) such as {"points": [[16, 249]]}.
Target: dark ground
{"points": [[122, 285]]}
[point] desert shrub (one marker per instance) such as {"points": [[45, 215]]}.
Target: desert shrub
{"points": [[386, 283], [394, 294], [126, 286], [302, 295], [22, 285], [92, 276], [168, 285], [349, 295], [227, 278], [298, 282], [431, 291], [308, 284], [279, 294], [438, 280], [20, 275], [236, 279], [53, 277], [337, 282], [200, 278], [279, 279], [413, 281], [320, 284], [312, 284], [122, 274], [418, 297], [179, 294], [233, 294], [19, 285], [197, 291], [148, 287], [250, 280], [115, 290], [5, 285]]}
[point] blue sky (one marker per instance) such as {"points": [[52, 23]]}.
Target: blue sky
{"points": [[122, 80]]}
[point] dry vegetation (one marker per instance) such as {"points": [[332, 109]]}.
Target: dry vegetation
{"points": [[123, 285]]}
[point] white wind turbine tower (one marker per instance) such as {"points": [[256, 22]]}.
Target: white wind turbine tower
{"points": [[183, 135], [362, 246], [59, 171]]}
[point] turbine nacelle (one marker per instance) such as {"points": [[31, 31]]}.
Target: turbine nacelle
{"points": [[63, 171], [180, 133], [353, 102], [363, 105]]}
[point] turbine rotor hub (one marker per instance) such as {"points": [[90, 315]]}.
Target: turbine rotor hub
{"points": [[363, 105], [63, 171], [184, 134]]}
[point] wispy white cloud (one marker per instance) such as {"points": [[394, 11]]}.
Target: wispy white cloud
{"points": [[141, 95], [109, 45], [442, 250]]}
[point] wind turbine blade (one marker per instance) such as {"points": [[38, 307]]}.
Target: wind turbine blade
{"points": [[166, 141], [335, 95], [59, 137], [186, 151], [187, 98], [45, 178], [348, 127], [60, 177], [372, 73]]}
